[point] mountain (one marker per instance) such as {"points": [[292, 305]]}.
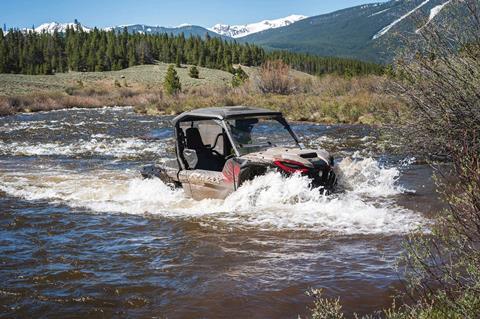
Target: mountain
{"points": [[219, 30], [187, 29], [238, 31], [51, 27], [369, 32]]}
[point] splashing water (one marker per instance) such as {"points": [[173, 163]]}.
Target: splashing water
{"points": [[366, 177], [98, 145], [268, 202]]}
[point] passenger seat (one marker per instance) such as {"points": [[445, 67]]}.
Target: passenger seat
{"points": [[207, 160]]}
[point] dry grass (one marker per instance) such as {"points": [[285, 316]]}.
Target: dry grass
{"points": [[330, 99]]}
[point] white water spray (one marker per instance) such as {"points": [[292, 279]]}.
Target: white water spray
{"points": [[270, 202]]}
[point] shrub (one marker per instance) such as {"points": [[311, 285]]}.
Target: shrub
{"points": [[324, 308], [126, 93], [193, 72], [274, 77], [441, 82], [5, 107], [70, 90]]}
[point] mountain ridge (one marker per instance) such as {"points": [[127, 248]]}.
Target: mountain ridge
{"points": [[219, 30], [242, 30], [366, 32]]}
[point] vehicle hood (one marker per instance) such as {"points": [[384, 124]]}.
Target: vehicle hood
{"points": [[308, 157]]}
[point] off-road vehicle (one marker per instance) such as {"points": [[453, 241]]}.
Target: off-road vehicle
{"points": [[218, 149]]}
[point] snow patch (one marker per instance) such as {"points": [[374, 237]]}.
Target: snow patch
{"points": [[391, 25], [433, 13], [379, 12], [238, 31]]}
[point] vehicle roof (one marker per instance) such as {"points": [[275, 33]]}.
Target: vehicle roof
{"points": [[223, 113]]}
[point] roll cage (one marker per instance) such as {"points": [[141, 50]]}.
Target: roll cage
{"points": [[204, 140]]}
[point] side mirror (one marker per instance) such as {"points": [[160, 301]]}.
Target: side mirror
{"points": [[190, 157]]}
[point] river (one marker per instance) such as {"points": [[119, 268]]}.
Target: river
{"points": [[83, 235]]}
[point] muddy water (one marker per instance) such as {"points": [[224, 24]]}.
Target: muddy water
{"points": [[81, 234]]}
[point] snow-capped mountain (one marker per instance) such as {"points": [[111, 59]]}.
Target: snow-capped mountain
{"points": [[51, 27], [238, 31], [185, 29], [233, 31]]}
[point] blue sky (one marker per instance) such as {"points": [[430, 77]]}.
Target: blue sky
{"points": [[103, 13]]}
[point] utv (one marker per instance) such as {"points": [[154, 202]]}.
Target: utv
{"points": [[218, 149]]}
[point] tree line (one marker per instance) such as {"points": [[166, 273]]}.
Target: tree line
{"points": [[318, 65], [101, 50]]}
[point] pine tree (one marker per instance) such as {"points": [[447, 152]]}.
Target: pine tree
{"points": [[172, 84], [3, 54], [246, 57], [227, 59], [111, 58], [132, 58], [201, 58], [193, 72], [178, 60]]}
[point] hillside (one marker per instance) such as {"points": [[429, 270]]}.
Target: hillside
{"points": [[367, 32], [142, 76]]}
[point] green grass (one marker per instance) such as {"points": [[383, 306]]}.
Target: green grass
{"points": [[142, 76]]}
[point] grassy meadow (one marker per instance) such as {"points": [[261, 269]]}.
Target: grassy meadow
{"points": [[327, 99], [137, 77]]}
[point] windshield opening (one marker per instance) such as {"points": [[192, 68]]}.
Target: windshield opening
{"points": [[254, 134]]}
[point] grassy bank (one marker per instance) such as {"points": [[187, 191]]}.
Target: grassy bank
{"points": [[330, 99], [327, 100]]}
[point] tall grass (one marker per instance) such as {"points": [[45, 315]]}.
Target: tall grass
{"points": [[327, 99], [330, 99]]}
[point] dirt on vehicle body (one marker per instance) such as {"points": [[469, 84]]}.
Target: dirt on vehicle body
{"points": [[218, 149]]}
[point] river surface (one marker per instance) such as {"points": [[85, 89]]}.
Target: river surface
{"points": [[81, 234]]}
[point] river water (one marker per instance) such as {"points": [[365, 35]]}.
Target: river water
{"points": [[81, 234]]}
